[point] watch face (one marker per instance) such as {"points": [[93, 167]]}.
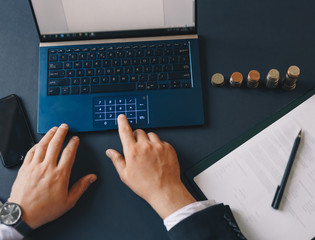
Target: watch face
{"points": [[10, 214]]}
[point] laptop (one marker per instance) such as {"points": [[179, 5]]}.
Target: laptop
{"points": [[99, 59]]}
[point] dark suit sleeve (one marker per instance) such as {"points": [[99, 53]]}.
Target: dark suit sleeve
{"points": [[214, 223]]}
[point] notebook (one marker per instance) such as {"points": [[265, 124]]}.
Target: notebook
{"points": [[99, 59], [246, 173]]}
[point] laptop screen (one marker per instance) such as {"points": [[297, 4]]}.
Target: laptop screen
{"points": [[60, 20]]}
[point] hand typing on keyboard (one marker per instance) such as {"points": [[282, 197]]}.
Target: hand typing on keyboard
{"points": [[150, 168]]}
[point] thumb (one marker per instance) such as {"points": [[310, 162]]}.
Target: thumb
{"points": [[117, 159], [79, 188]]}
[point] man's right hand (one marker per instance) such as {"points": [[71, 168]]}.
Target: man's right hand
{"points": [[150, 168]]}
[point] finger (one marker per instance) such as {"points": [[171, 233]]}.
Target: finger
{"points": [[79, 188], [55, 145], [117, 159], [29, 156], [68, 155], [125, 131], [153, 137], [140, 135], [42, 146]]}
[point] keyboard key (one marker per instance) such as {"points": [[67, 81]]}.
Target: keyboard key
{"points": [[107, 63], [73, 57], [65, 90], [99, 109], [111, 55], [68, 65], [70, 73], [163, 86], [186, 85], [131, 115], [63, 57], [162, 76], [55, 66], [89, 72], [99, 71], [99, 116], [113, 88], [85, 81], [97, 63], [157, 68], [152, 86], [175, 84], [58, 82], [120, 108], [134, 78], [153, 77], [184, 59], [56, 74], [87, 64], [181, 67], [80, 73], [52, 51], [124, 79], [116, 62], [138, 69], [53, 91], [78, 65], [109, 71], [110, 116], [113, 79], [95, 80], [91, 56], [53, 58], [139, 53], [143, 77], [75, 81], [82, 56], [85, 89], [179, 76], [75, 90], [104, 80], [141, 86]]}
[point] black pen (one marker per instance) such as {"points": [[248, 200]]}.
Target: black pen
{"points": [[280, 189]]}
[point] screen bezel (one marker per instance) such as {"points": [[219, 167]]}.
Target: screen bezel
{"points": [[116, 34]]}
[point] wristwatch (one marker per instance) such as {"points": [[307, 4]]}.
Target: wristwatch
{"points": [[11, 215]]}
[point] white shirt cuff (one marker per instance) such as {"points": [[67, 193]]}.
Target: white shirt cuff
{"points": [[185, 212], [9, 233]]}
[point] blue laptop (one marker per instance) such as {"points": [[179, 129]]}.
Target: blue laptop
{"points": [[99, 59]]}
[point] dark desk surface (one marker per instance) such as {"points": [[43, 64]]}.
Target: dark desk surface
{"points": [[234, 36]]}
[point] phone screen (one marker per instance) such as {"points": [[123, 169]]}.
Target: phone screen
{"points": [[15, 135]]}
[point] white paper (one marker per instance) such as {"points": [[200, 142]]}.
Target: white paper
{"points": [[113, 15], [247, 178]]}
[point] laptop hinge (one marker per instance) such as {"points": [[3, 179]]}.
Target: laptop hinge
{"points": [[118, 40]]}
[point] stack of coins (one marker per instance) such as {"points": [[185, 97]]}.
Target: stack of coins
{"points": [[272, 79], [236, 79], [253, 79], [217, 80], [289, 82]]}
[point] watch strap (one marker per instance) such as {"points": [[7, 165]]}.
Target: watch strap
{"points": [[22, 227]]}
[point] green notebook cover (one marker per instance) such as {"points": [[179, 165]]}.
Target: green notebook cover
{"points": [[220, 153]]}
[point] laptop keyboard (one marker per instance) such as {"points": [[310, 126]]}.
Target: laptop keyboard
{"points": [[107, 109], [119, 67]]}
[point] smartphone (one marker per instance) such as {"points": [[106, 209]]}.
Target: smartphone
{"points": [[16, 137]]}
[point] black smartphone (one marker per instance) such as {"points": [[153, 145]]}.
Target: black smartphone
{"points": [[16, 137]]}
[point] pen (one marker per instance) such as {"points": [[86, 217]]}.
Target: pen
{"points": [[280, 189]]}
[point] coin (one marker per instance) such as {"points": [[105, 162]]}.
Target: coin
{"points": [[217, 80], [236, 79]]}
